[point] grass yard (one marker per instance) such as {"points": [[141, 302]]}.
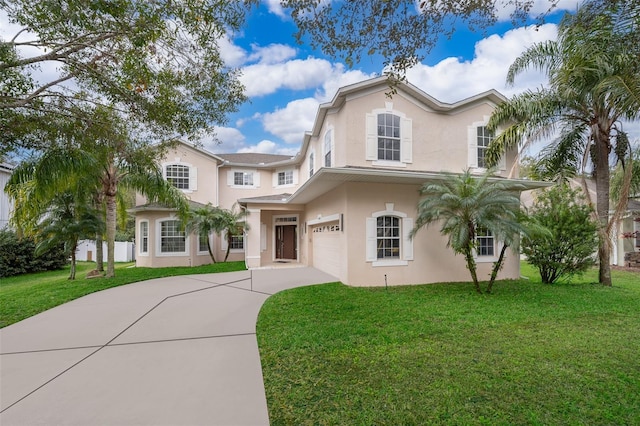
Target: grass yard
{"points": [[441, 354], [26, 295]]}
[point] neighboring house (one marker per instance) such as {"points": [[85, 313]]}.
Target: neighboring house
{"points": [[346, 202], [6, 205], [628, 232]]}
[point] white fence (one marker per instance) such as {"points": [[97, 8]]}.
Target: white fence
{"points": [[124, 252]]}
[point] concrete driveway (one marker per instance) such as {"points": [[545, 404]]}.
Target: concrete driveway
{"points": [[171, 351]]}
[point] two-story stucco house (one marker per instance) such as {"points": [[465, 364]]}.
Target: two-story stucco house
{"points": [[345, 204]]}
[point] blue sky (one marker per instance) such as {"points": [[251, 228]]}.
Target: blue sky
{"points": [[286, 82]]}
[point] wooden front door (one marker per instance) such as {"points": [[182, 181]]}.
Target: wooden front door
{"points": [[286, 240]]}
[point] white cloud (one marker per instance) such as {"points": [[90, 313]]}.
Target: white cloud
{"points": [[228, 139], [299, 74], [290, 122], [451, 79], [232, 55], [340, 78], [271, 54], [275, 7], [269, 147], [506, 7]]}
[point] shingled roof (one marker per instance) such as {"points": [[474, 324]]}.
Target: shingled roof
{"points": [[254, 158]]}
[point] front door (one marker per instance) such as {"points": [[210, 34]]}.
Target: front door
{"points": [[286, 246]]}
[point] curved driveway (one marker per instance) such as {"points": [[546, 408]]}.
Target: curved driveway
{"points": [[170, 351]]}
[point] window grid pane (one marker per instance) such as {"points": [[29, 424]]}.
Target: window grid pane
{"points": [[202, 242], [388, 237], [243, 178], [484, 139], [485, 242], [172, 239], [178, 176], [144, 234], [237, 242], [285, 178], [327, 149], [388, 137]]}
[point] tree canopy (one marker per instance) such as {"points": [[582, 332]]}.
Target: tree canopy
{"points": [[401, 31], [158, 62]]}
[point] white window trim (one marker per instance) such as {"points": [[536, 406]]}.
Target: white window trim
{"points": [[231, 178], [140, 252], [224, 243], [294, 175], [193, 174], [497, 248], [202, 252], [158, 244], [332, 155], [406, 138], [273, 230], [406, 243], [472, 147]]}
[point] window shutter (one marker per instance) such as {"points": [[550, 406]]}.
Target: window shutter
{"points": [[472, 140], [406, 141], [407, 242], [275, 178], [230, 180], [223, 241], [295, 176], [371, 251], [193, 178], [372, 137], [256, 179]]}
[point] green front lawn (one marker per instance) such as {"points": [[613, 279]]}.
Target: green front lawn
{"points": [[26, 295], [441, 354]]}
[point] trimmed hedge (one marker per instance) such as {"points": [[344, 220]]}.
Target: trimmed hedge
{"points": [[17, 256]]}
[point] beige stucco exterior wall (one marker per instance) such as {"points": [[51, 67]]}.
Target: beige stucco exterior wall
{"points": [[229, 195], [433, 260], [440, 140]]}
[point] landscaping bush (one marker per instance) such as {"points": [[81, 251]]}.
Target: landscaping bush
{"points": [[17, 256], [569, 248]]}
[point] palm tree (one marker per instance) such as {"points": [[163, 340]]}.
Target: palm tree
{"points": [[69, 219], [465, 203], [594, 82], [104, 158], [205, 221], [233, 225]]}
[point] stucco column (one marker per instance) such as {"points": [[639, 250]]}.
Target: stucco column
{"points": [[252, 251]]}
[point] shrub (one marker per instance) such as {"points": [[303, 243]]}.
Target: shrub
{"points": [[569, 248], [17, 256]]}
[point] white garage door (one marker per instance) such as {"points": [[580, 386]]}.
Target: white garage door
{"points": [[327, 251]]}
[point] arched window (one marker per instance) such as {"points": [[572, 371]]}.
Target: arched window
{"points": [[178, 175], [387, 238]]}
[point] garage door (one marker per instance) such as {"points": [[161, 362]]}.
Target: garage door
{"points": [[327, 250]]}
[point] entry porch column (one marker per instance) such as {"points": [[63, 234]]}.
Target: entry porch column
{"points": [[252, 250]]}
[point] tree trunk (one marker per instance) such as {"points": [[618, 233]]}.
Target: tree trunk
{"points": [[72, 274], [229, 239], [210, 252], [99, 253], [111, 234], [602, 204], [496, 267], [471, 265]]}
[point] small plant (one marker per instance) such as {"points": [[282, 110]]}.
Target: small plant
{"points": [[572, 242]]}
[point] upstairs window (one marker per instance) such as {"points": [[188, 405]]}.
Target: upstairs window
{"points": [[484, 139], [327, 148], [243, 178], [285, 177], [177, 175], [389, 140], [311, 159], [388, 137]]}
